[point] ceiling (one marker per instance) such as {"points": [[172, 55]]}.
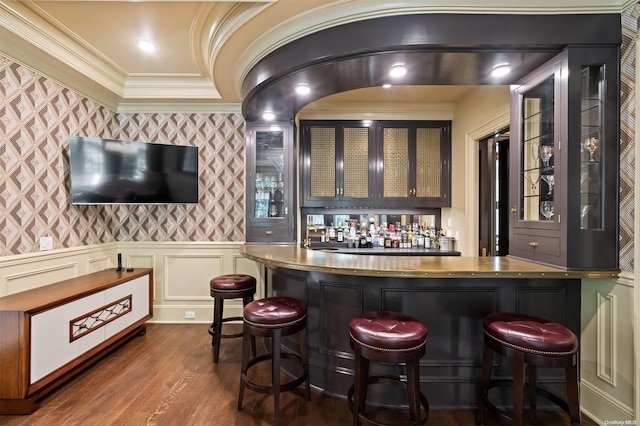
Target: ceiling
{"points": [[207, 48]]}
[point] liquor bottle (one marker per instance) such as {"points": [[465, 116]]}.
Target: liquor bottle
{"points": [[340, 235], [332, 233]]}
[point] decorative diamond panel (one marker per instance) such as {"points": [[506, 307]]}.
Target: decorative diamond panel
{"points": [[627, 136], [37, 117]]}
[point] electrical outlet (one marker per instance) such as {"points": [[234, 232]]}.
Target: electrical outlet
{"points": [[46, 243], [189, 314]]}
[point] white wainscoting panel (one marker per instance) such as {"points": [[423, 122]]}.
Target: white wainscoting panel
{"points": [[187, 276], [24, 272], [607, 390], [182, 271]]}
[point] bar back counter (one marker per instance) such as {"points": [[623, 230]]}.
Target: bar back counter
{"points": [[450, 295]]}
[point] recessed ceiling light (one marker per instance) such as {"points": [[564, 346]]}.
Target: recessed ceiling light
{"points": [[147, 46], [268, 115], [500, 70], [386, 85], [398, 70], [303, 89]]}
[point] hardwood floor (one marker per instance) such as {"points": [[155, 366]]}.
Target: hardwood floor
{"points": [[168, 377]]}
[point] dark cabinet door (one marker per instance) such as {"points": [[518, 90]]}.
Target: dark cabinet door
{"points": [[414, 167], [338, 164], [270, 181]]}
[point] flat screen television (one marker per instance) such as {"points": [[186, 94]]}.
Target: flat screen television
{"points": [[110, 171]]}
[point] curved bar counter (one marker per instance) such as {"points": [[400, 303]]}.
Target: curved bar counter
{"points": [[450, 295]]}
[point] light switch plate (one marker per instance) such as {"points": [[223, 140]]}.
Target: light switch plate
{"points": [[46, 243]]}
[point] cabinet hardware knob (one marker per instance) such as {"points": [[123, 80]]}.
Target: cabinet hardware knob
{"points": [[514, 210], [533, 244], [268, 232]]}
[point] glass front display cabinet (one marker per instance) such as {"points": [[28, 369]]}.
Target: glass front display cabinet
{"points": [[565, 134], [269, 178]]}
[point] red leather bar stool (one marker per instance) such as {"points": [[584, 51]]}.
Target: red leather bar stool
{"points": [[534, 342], [231, 286], [274, 317], [387, 337]]}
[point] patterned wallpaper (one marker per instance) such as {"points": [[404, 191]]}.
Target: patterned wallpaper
{"points": [[627, 135], [37, 116]]}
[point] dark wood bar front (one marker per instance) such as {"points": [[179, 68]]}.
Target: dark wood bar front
{"points": [[450, 295]]}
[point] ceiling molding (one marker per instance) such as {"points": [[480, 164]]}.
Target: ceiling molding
{"points": [[327, 110], [35, 27], [169, 86], [349, 11], [180, 107]]}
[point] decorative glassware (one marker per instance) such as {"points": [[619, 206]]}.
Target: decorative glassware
{"points": [[591, 145], [535, 153], [533, 180], [546, 208], [583, 213], [546, 152], [550, 179]]}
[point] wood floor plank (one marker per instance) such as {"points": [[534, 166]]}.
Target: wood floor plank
{"points": [[167, 377]]}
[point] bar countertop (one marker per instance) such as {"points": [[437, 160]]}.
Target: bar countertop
{"points": [[296, 258]]}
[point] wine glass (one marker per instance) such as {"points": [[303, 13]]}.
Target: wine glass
{"points": [[535, 153], [546, 152], [583, 213], [591, 144], [546, 208], [550, 179], [533, 180]]}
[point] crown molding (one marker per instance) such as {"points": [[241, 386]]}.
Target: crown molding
{"points": [[169, 86], [180, 107], [347, 11], [378, 111]]}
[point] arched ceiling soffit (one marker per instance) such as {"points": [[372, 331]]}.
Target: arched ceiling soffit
{"points": [[447, 49], [347, 11]]}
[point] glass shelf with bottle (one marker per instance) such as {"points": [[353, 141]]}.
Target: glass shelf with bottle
{"points": [[269, 197]]}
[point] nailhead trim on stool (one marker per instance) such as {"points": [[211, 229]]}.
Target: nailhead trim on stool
{"points": [[230, 286], [389, 337], [274, 317], [532, 342]]}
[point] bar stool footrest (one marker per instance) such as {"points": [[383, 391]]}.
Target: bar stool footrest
{"points": [[388, 380], [284, 387], [506, 382], [228, 336]]}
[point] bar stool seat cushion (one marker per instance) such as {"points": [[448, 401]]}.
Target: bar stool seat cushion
{"points": [[530, 334], [275, 311], [232, 282], [384, 330]]}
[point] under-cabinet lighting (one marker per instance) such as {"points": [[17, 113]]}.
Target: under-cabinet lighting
{"points": [[386, 86], [303, 89], [398, 70], [500, 70], [268, 115]]}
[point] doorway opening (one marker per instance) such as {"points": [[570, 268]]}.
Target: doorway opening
{"points": [[493, 193]]}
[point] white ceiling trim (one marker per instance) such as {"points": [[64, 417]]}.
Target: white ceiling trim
{"points": [[346, 11], [177, 107], [221, 27], [169, 86], [34, 26]]}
